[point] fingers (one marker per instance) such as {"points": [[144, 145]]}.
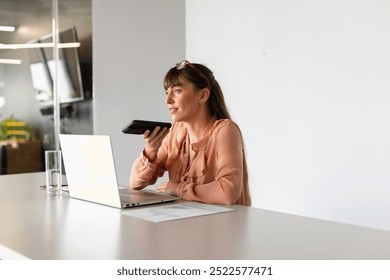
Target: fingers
{"points": [[156, 136], [168, 187], [153, 141], [162, 187], [146, 134]]}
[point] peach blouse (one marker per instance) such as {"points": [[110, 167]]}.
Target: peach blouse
{"points": [[213, 175]]}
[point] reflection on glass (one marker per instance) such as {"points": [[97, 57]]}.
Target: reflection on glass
{"points": [[27, 88]]}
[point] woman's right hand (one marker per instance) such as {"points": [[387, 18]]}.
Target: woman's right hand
{"points": [[153, 141]]}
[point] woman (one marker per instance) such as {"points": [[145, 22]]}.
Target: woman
{"points": [[203, 151]]}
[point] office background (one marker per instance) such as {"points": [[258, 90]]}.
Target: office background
{"points": [[307, 81], [33, 19]]}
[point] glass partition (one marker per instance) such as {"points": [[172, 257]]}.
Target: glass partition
{"points": [[28, 71]]}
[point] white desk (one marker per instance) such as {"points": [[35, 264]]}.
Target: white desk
{"points": [[40, 227]]}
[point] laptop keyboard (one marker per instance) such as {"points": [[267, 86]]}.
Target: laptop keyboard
{"points": [[131, 198]]}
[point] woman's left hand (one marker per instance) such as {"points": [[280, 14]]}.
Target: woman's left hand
{"points": [[169, 188]]}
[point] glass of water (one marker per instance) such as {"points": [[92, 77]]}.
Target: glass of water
{"points": [[53, 172]]}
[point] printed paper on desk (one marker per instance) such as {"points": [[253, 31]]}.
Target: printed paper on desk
{"points": [[176, 211]]}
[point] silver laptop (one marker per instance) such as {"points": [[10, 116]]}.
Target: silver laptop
{"points": [[90, 173]]}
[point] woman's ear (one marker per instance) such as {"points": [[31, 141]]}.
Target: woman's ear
{"points": [[204, 95]]}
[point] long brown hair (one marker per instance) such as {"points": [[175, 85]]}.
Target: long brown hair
{"points": [[202, 77]]}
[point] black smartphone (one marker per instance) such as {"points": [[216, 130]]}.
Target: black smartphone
{"points": [[140, 126]]}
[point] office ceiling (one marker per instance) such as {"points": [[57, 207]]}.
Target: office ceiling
{"points": [[33, 19]]}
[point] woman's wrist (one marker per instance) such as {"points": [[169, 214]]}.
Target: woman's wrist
{"points": [[151, 155]]}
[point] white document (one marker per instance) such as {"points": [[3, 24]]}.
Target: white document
{"points": [[176, 211]]}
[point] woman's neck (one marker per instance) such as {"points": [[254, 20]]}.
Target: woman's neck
{"points": [[198, 128]]}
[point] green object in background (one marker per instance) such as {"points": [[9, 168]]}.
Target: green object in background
{"points": [[15, 129]]}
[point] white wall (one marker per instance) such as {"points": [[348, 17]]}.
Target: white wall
{"points": [[309, 84], [134, 44]]}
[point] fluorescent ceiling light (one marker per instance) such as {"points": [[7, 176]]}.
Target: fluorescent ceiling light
{"points": [[38, 45], [10, 61], [7, 28]]}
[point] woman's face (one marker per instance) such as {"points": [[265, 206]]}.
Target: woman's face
{"points": [[183, 102]]}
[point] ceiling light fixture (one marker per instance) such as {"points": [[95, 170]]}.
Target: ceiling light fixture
{"points": [[10, 61], [38, 45], [7, 28]]}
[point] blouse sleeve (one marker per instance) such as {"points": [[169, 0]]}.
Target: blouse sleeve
{"points": [[145, 172], [228, 168]]}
